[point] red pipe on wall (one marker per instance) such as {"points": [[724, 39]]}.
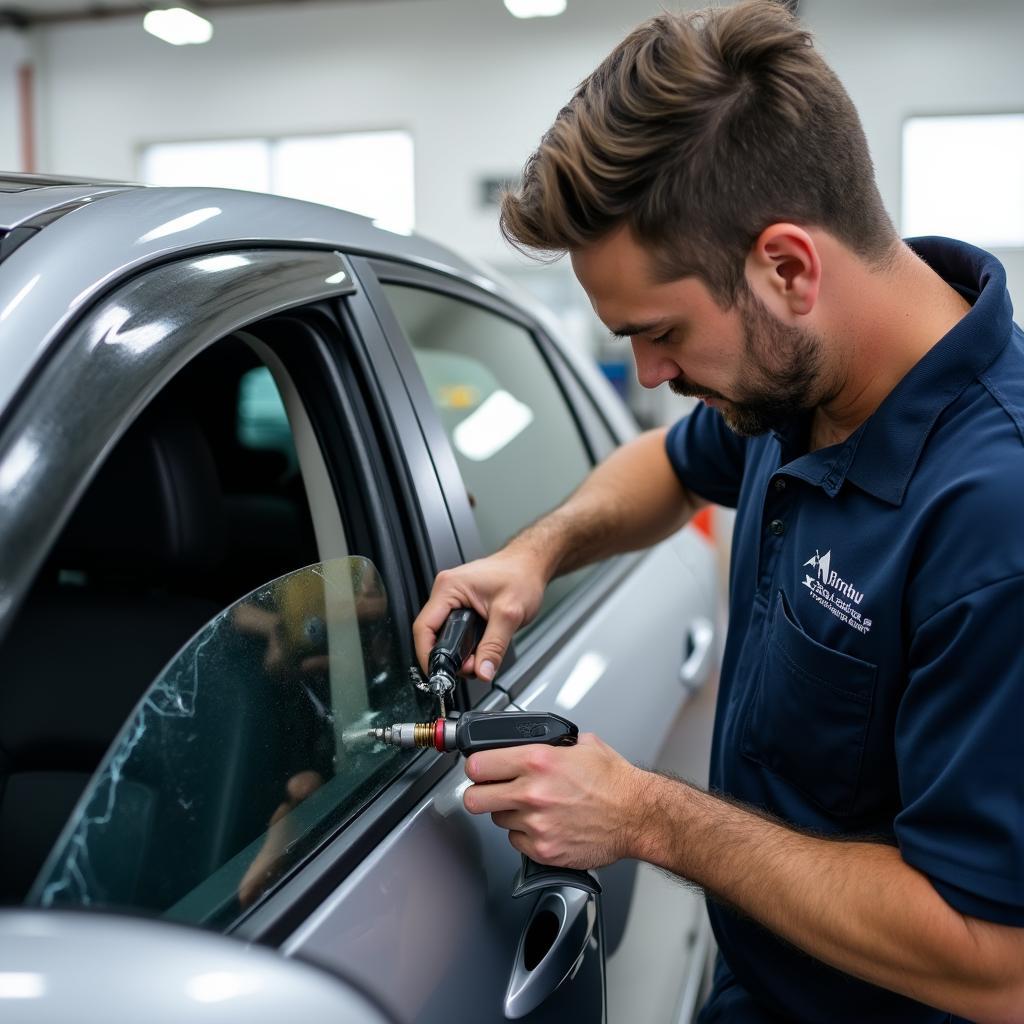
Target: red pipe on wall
{"points": [[26, 114]]}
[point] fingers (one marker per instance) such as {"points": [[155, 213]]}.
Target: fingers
{"points": [[505, 591], [432, 617], [506, 764], [504, 619], [488, 799], [303, 784]]}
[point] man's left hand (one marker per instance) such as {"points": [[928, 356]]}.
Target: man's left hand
{"points": [[571, 806]]}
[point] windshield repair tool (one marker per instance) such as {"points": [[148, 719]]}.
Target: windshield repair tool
{"points": [[480, 730], [489, 730], [455, 643]]}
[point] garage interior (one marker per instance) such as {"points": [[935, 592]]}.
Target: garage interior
{"points": [[424, 110]]}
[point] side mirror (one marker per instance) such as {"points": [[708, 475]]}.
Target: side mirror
{"points": [[84, 966]]}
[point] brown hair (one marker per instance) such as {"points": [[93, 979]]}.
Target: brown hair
{"points": [[699, 131]]}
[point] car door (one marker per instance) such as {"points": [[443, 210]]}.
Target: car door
{"points": [[219, 801], [621, 648], [427, 920]]}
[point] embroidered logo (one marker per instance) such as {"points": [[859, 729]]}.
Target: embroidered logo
{"points": [[832, 592]]}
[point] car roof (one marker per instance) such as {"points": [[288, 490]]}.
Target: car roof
{"points": [[64, 241]]}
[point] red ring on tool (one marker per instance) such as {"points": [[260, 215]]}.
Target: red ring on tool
{"points": [[439, 734]]}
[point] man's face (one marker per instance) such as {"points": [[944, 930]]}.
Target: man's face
{"points": [[754, 369]]}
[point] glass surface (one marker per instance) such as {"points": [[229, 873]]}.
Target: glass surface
{"points": [[515, 439], [262, 418], [245, 751]]}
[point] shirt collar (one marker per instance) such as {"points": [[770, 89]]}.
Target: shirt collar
{"points": [[881, 455]]}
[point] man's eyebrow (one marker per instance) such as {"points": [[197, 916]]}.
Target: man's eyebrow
{"points": [[629, 330]]}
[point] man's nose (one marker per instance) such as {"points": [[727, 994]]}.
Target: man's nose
{"points": [[652, 367]]}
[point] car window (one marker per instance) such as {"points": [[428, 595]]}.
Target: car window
{"points": [[515, 439], [192, 509], [248, 747], [262, 419]]}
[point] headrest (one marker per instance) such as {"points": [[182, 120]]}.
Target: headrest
{"points": [[156, 504]]}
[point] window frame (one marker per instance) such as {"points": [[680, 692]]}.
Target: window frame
{"points": [[527, 655]]}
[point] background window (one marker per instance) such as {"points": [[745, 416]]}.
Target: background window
{"points": [[964, 177], [370, 173], [515, 439]]}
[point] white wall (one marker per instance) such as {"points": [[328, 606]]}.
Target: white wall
{"points": [[475, 87], [15, 49]]}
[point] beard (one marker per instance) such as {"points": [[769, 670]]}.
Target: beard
{"points": [[781, 377]]}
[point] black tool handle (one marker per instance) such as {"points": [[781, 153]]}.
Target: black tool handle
{"points": [[490, 730], [456, 642]]}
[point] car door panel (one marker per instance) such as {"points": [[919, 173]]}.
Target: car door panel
{"points": [[434, 903]]}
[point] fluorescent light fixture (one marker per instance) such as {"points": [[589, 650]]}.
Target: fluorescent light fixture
{"points": [[178, 26], [535, 8], [496, 422], [21, 985]]}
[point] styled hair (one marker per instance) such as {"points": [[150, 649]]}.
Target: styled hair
{"points": [[698, 131]]}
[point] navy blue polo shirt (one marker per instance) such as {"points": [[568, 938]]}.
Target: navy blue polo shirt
{"points": [[873, 678]]}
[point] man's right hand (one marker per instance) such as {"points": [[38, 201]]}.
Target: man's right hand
{"points": [[505, 588]]}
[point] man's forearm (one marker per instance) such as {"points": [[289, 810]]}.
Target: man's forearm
{"points": [[855, 905], [631, 500]]}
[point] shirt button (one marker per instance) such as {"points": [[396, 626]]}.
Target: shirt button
{"points": [[777, 526], [780, 484]]}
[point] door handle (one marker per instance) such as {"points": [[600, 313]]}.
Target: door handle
{"points": [[551, 947], [697, 652], [533, 877]]}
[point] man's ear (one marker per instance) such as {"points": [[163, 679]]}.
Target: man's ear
{"points": [[783, 269]]}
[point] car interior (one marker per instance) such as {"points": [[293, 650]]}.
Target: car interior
{"points": [[202, 500]]}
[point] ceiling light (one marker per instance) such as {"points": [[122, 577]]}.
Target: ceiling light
{"points": [[535, 8], [178, 26]]}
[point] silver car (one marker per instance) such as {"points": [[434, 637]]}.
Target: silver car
{"points": [[239, 435]]}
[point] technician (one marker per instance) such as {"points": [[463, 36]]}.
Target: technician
{"points": [[863, 411]]}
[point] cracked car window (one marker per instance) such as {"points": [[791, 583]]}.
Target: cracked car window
{"points": [[247, 750]]}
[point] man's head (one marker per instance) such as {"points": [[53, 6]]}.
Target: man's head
{"points": [[696, 168]]}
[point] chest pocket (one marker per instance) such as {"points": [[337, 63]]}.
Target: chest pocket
{"points": [[809, 716]]}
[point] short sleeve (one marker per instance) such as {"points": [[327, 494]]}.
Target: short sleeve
{"points": [[707, 456], [960, 753]]}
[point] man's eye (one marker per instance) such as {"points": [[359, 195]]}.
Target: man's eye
{"points": [[661, 337]]}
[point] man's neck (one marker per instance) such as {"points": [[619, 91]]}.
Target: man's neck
{"points": [[882, 323]]}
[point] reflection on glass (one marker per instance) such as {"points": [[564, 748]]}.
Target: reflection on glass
{"points": [[499, 420], [247, 749]]}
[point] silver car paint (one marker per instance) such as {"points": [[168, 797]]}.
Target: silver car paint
{"points": [[61, 966], [19, 208], [55, 275]]}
